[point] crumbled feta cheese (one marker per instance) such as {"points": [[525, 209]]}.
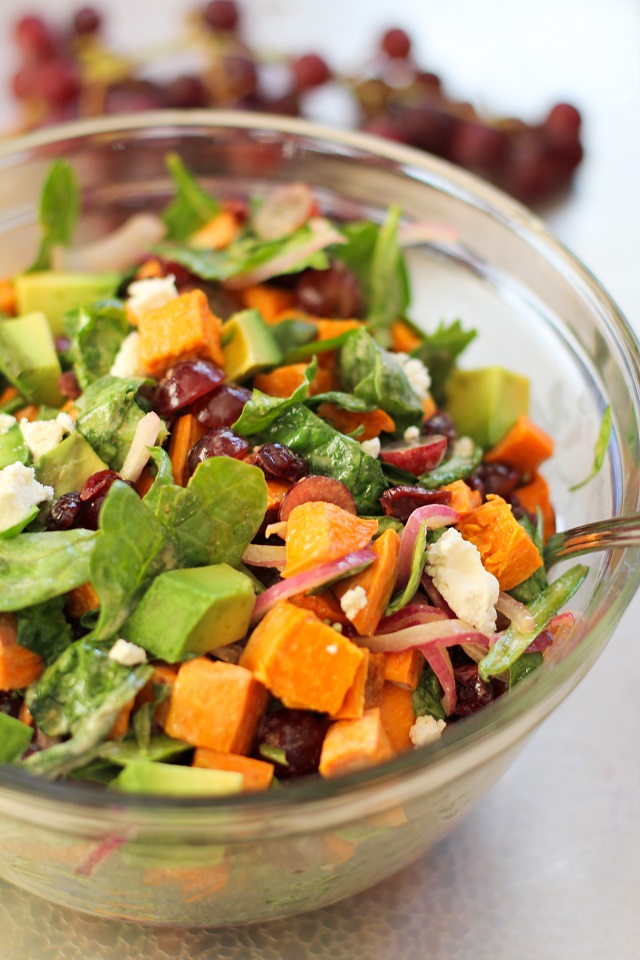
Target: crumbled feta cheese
{"points": [[426, 730], [127, 654], [6, 422], [457, 571], [463, 447], [150, 294], [411, 433], [332, 648], [416, 373], [372, 447], [20, 492], [353, 601], [41, 436], [128, 362]]}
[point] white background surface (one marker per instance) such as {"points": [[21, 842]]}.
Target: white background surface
{"points": [[548, 865]]}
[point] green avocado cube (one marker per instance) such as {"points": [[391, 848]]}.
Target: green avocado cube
{"points": [[55, 292], [15, 737], [28, 358], [68, 465], [248, 345], [13, 449], [485, 403], [166, 779], [192, 611]]}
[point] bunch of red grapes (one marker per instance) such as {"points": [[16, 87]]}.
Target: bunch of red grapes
{"points": [[395, 97]]}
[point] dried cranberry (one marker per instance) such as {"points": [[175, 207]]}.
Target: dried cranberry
{"points": [[331, 293], [440, 423], [221, 407], [64, 512], [68, 385], [401, 501], [300, 734], [280, 462], [496, 478], [98, 483], [219, 442], [185, 382], [473, 693]]}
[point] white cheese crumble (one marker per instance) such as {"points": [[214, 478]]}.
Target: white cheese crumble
{"points": [[426, 730], [20, 492], [353, 601], [128, 362], [372, 447], [411, 433], [6, 422], [41, 436], [151, 293], [457, 571], [127, 654], [416, 373], [463, 447]]}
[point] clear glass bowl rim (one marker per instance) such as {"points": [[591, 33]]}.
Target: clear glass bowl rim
{"points": [[510, 718]]}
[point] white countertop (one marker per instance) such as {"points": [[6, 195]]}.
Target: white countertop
{"points": [[548, 864]]}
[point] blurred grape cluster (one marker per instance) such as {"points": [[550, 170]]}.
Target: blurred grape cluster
{"points": [[68, 71]]}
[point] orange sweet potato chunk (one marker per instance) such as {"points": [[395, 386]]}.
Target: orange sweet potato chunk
{"points": [[397, 716], [373, 423], [403, 339], [19, 667], [269, 301], [377, 581], [81, 600], [217, 233], [282, 381], [534, 495], [353, 703], [404, 667], [183, 328], [186, 431], [164, 675], [216, 705], [301, 660], [319, 532], [256, 774], [121, 723], [506, 549], [354, 744], [463, 498], [524, 447], [324, 605]]}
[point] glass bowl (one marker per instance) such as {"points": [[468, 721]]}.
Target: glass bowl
{"points": [[539, 312]]}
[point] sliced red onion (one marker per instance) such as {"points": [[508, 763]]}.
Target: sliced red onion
{"points": [[98, 853], [410, 616], [476, 651], [440, 631], [434, 595], [323, 234], [440, 662], [117, 251], [434, 515], [515, 611], [565, 634], [310, 580], [259, 555], [145, 436], [429, 231]]}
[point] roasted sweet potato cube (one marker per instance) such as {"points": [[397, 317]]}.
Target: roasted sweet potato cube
{"points": [[397, 716], [319, 532], [377, 581], [183, 328], [404, 667], [257, 774], [353, 744], [216, 705]]}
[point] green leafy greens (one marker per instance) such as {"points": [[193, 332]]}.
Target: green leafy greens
{"points": [[600, 449], [58, 212], [439, 352], [192, 207], [96, 334]]}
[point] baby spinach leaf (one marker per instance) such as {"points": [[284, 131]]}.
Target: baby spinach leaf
{"points": [[330, 454], [426, 698], [131, 551], [163, 474], [376, 376], [308, 350], [457, 467], [58, 213], [418, 561], [261, 410], [206, 264], [600, 449], [44, 629], [159, 747], [108, 415], [388, 280], [523, 666], [35, 567], [439, 352], [347, 401], [191, 207], [96, 333], [357, 252], [290, 334]]}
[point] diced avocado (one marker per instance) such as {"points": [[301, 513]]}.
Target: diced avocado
{"points": [[28, 358], [485, 403], [55, 292], [249, 345], [15, 737], [166, 779], [13, 449], [192, 611], [68, 465]]}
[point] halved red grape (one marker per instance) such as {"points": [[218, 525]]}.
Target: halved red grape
{"points": [[221, 407], [416, 457], [185, 382], [333, 293], [317, 488], [219, 442]]}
